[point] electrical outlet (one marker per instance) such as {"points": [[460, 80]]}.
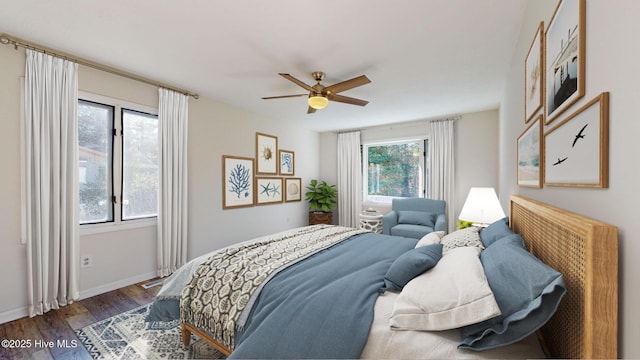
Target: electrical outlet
{"points": [[86, 261]]}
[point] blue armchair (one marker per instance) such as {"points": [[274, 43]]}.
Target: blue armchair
{"points": [[415, 217]]}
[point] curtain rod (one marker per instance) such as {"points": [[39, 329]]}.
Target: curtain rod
{"points": [[7, 40]]}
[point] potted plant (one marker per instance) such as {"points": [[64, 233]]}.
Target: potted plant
{"points": [[322, 200]]}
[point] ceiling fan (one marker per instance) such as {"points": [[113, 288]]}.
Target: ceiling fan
{"points": [[320, 95]]}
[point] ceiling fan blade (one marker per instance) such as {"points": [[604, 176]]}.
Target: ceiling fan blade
{"points": [[296, 81], [347, 84], [347, 100], [311, 110], [283, 96]]}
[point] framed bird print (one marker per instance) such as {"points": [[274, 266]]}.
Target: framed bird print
{"points": [[577, 149], [266, 154]]}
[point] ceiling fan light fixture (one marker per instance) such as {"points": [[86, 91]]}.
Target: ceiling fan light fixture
{"points": [[318, 101]]}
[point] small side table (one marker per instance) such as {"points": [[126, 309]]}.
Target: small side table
{"points": [[371, 221]]}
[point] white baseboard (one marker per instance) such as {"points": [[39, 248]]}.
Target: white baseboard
{"points": [[21, 312], [116, 285], [13, 314]]}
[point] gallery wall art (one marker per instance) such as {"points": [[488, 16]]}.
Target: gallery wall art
{"points": [[250, 181], [237, 180], [266, 154], [286, 162], [293, 189], [530, 154], [564, 57], [534, 75], [577, 149], [268, 190]]}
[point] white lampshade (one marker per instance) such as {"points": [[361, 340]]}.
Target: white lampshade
{"points": [[318, 102], [482, 206]]}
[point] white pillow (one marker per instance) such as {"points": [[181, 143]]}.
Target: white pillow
{"points": [[454, 293], [431, 238], [464, 237]]}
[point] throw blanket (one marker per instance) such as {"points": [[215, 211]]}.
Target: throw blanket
{"points": [[227, 283]]}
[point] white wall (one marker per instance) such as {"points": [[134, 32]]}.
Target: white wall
{"points": [[124, 257], [216, 129], [611, 47], [13, 261], [476, 151]]}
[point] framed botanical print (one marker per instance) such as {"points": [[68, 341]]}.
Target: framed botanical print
{"points": [[286, 162], [564, 57], [268, 190], [533, 75], [237, 182], [577, 149], [293, 189], [266, 154], [530, 154]]}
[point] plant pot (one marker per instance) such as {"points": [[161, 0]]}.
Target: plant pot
{"points": [[318, 217]]}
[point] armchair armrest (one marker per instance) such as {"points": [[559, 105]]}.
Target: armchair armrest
{"points": [[441, 223], [388, 221]]}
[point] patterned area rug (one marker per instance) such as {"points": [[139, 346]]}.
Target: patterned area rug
{"points": [[129, 336]]}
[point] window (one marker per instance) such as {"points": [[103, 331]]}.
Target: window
{"points": [[139, 164], [118, 160], [95, 140], [394, 170]]}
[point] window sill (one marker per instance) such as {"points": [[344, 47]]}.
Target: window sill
{"points": [[91, 229], [376, 203]]}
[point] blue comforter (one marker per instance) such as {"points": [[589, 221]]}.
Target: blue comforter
{"points": [[321, 307]]}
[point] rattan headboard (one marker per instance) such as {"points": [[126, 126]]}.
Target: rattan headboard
{"points": [[585, 251]]}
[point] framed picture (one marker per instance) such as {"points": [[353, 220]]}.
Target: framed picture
{"points": [[533, 75], [293, 189], [529, 156], [564, 57], [237, 182], [268, 190], [266, 154], [577, 149], [286, 162]]}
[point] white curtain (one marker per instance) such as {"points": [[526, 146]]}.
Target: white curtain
{"points": [[172, 201], [442, 167], [349, 179], [50, 169]]}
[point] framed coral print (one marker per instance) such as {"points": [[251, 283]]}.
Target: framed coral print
{"points": [[530, 154], [237, 180], [564, 57], [293, 189], [268, 190], [533, 76], [286, 162], [577, 149], [266, 154]]}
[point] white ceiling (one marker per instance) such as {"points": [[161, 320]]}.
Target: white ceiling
{"points": [[425, 58]]}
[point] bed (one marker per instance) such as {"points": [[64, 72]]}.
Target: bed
{"points": [[582, 322]]}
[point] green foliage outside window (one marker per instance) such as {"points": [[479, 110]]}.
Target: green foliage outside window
{"points": [[394, 170]]}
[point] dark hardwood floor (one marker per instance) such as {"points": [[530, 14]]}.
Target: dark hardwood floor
{"points": [[57, 327]]}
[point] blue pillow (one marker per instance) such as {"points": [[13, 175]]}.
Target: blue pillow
{"points": [[527, 291], [495, 231], [416, 217], [513, 239], [411, 264]]}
